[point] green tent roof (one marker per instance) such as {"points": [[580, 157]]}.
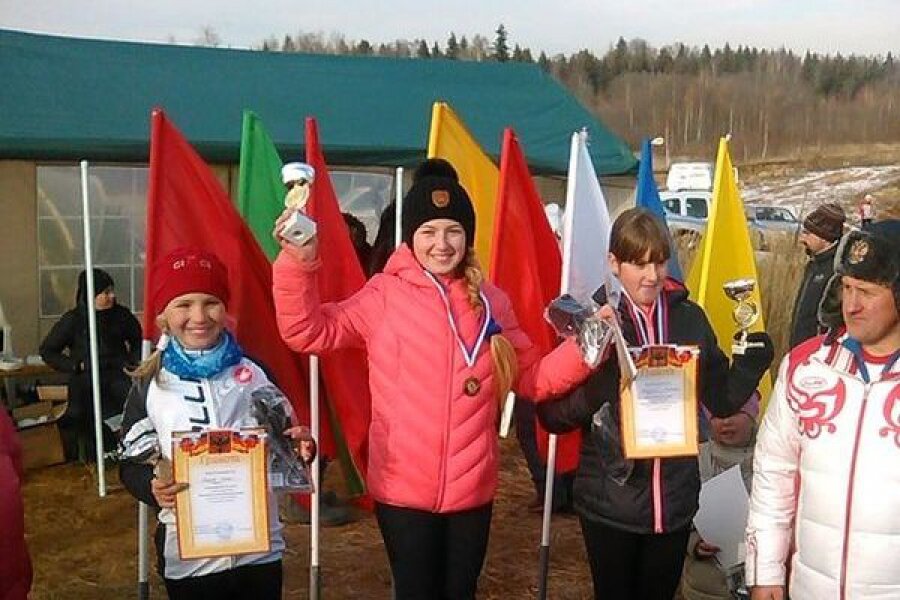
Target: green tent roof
{"points": [[69, 98]]}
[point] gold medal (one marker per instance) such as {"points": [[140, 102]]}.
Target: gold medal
{"points": [[472, 386]]}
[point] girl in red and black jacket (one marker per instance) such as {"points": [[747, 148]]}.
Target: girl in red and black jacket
{"points": [[636, 515]]}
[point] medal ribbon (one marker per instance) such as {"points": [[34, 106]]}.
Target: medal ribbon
{"points": [[637, 315], [468, 356]]}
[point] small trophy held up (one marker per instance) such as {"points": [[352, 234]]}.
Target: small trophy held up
{"points": [[298, 178], [745, 314]]}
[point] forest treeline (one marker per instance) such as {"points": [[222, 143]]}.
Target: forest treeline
{"points": [[774, 102]]}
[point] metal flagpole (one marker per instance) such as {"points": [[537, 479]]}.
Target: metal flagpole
{"points": [[398, 203], [92, 328], [549, 480], [314, 581], [144, 523]]}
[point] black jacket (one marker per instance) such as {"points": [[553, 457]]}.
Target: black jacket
{"points": [[723, 391], [118, 340], [805, 321]]}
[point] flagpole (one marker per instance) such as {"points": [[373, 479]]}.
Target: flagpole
{"points": [[549, 478], [143, 522], [314, 582], [92, 328], [398, 204]]}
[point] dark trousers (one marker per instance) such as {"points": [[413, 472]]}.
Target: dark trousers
{"points": [[78, 421], [526, 435], [434, 556], [259, 582], [633, 566]]}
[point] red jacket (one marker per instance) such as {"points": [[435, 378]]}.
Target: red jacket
{"points": [[15, 565], [431, 446]]}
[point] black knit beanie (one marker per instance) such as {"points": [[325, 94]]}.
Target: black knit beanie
{"points": [[102, 280], [436, 197]]}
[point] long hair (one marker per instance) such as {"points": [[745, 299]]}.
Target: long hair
{"points": [[150, 367], [506, 364]]}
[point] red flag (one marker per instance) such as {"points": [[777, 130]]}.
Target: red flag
{"points": [[187, 206], [526, 263], [345, 372]]}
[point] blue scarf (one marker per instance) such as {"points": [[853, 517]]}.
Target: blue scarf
{"points": [[179, 361]]}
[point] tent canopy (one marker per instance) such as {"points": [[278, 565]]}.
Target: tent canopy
{"points": [[69, 98]]}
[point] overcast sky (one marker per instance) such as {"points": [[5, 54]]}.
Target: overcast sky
{"points": [[828, 26]]}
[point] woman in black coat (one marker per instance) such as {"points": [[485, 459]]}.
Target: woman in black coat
{"points": [[66, 349]]}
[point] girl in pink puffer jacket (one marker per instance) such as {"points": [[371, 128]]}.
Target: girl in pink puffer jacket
{"points": [[444, 349]]}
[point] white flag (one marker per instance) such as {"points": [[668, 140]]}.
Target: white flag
{"points": [[586, 227]]}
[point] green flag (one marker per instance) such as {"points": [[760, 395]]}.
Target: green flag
{"points": [[260, 190], [260, 201]]}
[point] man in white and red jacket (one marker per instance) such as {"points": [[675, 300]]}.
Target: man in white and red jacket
{"points": [[825, 509]]}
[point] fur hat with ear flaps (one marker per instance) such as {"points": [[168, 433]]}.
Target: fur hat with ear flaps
{"points": [[871, 254]]}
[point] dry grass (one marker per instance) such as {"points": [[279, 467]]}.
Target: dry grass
{"points": [[84, 547], [780, 269]]}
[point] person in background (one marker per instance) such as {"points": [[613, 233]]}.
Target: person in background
{"points": [[819, 234], [66, 349], [731, 444], [866, 210], [636, 515], [823, 520], [444, 348], [15, 564], [197, 378]]}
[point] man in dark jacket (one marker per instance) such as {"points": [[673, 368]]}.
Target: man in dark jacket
{"points": [[822, 229], [66, 349]]}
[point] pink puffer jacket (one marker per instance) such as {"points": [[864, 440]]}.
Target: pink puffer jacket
{"points": [[431, 446]]}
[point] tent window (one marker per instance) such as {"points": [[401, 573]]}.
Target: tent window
{"points": [[118, 217], [364, 195]]}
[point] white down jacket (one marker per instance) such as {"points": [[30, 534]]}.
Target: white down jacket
{"points": [[826, 487]]}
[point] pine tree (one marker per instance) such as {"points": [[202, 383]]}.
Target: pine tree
{"points": [[543, 61], [288, 44], [452, 47], [422, 51], [435, 50], [501, 48]]}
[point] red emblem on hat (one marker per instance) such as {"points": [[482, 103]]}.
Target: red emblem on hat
{"points": [[440, 198], [243, 374]]}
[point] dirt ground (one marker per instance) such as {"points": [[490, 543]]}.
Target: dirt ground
{"points": [[85, 547]]}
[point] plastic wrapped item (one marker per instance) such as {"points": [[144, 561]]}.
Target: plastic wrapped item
{"points": [[606, 431], [570, 318], [273, 412]]}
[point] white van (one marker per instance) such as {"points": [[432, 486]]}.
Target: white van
{"points": [[690, 176]]}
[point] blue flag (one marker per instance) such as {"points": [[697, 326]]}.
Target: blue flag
{"points": [[648, 197]]}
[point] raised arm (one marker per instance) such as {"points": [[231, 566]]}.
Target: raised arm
{"points": [[309, 326]]}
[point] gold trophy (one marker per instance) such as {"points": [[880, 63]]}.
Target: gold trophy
{"points": [[745, 314]]}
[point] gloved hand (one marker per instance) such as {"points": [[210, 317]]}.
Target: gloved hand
{"points": [[755, 359], [748, 368]]}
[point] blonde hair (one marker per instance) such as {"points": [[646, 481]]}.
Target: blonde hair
{"points": [[150, 366], [506, 363]]}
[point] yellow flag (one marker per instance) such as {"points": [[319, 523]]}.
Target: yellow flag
{"points": [[726, 254], [449, 139]]}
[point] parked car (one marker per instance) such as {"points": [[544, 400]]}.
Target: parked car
{"points": [[772, 218], [686, 209]]}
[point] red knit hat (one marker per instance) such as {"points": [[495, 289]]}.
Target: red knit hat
{"points": [[185, 271]]}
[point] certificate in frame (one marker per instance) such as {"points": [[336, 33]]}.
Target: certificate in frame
{"points": [[659, 406], [225, 510]]}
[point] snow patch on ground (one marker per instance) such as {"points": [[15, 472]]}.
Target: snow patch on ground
{"points": [[845, 186]]}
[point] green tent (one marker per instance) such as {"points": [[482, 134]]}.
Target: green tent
{"points": [[68, 99]]}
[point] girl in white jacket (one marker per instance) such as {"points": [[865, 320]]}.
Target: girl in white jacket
{"points": [[199, 379]]}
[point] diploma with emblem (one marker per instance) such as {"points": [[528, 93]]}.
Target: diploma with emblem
{"points": [[224, 510], [659, 405]]}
